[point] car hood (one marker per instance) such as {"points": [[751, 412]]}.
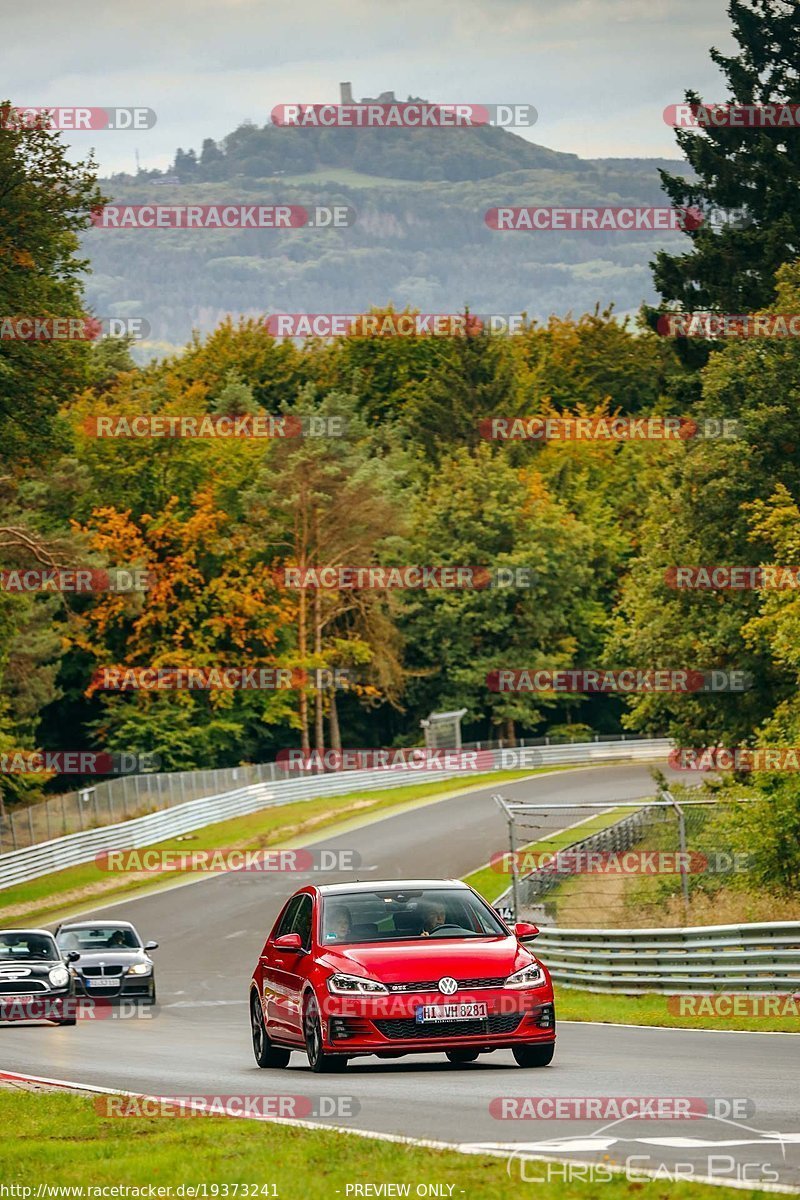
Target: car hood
{"points": [[33, 969], [426, 959], [111, 958]]}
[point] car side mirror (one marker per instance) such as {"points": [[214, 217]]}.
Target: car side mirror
{"points": [[289, 941], [151, 945], [525, 932], [71, 956]]}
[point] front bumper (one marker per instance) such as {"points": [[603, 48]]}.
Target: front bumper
{"points": [[123, 987], [371, 1025], [54, 1004]]}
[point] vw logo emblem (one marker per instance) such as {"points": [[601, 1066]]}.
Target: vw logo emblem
{"points": [[447, 985]]}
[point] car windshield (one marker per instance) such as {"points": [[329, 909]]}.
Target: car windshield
{"points": [[98, 937], [24, 947], [390, 915]]}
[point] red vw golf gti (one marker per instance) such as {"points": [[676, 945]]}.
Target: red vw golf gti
{"points": [[398, 968]]}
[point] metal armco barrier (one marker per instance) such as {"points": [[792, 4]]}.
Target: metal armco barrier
{"points": [[46, 856], [711, 958]]}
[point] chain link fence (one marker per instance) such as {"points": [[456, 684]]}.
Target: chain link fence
{"points": [[588, 865]]}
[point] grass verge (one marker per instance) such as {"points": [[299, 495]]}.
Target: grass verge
{"points": [[61, 1139], [51, 895], [573, 1004]]}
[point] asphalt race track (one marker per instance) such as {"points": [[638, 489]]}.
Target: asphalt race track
{"points": [[197, 1041]]}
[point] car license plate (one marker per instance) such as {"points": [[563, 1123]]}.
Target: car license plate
{"points": [[102, 983], [7, 1001], [450, 1012]]}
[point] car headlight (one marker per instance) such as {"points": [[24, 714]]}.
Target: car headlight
{"points": [[529, 977], [59, 977], [355, 985], [140, 969]]}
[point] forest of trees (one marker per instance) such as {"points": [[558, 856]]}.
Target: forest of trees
{"points": [[412, 481]]}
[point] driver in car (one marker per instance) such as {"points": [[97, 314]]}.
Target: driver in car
{"points": [[341, 924], [434, 917]]}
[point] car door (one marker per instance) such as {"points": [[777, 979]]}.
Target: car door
{"points": [[274, 978], [296, 964]]}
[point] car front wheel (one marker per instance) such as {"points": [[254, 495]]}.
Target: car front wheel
{"points": [[534, 1056], [318, 1060], [266, 1054]]}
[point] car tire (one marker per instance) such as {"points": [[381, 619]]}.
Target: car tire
{"points": [[462, 1056], [320, 1062], [152, 994], [534, 1056], [266, 1054], [67, 1021]]}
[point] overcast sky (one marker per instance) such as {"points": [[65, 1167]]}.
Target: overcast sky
{"points": [[600, 72]]}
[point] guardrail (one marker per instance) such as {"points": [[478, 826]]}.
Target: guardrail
{"points": [[762, 957], [120, 799], [21, 865]]}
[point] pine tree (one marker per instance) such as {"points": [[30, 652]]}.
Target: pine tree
{"points": [[752, 171]]}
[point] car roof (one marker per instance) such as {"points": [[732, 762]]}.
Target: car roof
{"points": [[40, 932], [94, 924], [394, 885]]}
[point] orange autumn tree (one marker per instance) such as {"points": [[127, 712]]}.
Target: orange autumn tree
{"points": [[207, 605]]}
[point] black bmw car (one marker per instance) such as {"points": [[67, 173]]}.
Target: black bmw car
{"points": [[113, 961], [35, 982]]}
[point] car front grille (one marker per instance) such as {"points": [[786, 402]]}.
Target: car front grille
{"points": [[94, 972], [432, 985], [21, 987], [408, 1028]]}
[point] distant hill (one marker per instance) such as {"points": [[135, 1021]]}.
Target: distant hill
{"points": [[419, 238], [424, 155]]}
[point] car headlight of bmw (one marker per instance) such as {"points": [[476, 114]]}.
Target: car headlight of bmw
{"points": [[529, 977], [355, 985], [140, 969], [59, 977]]}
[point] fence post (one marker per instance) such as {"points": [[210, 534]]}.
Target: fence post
{"points": [[682, 844], [514, 887]]}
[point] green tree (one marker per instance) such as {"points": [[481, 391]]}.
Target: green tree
{"points": [[753, 173]]}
